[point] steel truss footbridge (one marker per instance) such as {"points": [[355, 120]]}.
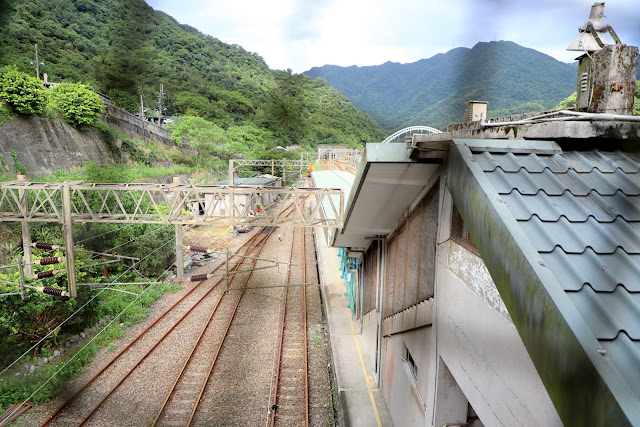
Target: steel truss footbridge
{"points": [[409, 132], [73, 202]]}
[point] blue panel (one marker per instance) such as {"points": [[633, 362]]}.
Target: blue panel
{"points": [[625, 354], [609, 313], [510, 162], [603, 161], [609, 183], [576, 237], [603, 272], [581, 212], [551, 208], [532, 183]]}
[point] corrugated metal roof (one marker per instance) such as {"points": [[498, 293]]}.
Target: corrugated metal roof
{"points": [[581, 212], [250, 181]]}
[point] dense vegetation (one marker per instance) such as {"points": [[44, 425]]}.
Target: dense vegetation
{"points": [[123, 48], [433, 92]]}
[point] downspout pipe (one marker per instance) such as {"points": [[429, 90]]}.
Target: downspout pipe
{"points": [[383, 255]]}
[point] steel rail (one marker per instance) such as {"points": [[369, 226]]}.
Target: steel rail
{"points": [[123, 350], [215, 358], [283, 314], [199, 341], [283, 318], [304, 316], [105, 397]]}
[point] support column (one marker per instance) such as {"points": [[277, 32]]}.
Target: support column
{"points": [[179, 253], [68, 239], [232, 207], [26, 231], [284, 173]]}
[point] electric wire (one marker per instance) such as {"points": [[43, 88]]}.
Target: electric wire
{"points": [[71, 316], [135, 238], [101, 331]]}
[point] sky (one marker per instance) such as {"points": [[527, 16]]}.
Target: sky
{"points": [[301, 34]]}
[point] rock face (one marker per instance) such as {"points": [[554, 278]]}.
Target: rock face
{"points": [[44, 144]]}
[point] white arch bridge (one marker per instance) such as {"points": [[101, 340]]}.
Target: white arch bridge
{"points": [[403, 134]]}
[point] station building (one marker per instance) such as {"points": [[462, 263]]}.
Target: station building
{"points": [[497, 277]]}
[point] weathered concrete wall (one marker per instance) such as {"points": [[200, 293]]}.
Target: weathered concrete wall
{"points": [[132, 124], [614, 79], [481, 346], [43, 144], [405, 395]]}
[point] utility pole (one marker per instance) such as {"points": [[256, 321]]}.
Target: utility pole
{"points": [[37, 64], [142, 112], [160, 104]]}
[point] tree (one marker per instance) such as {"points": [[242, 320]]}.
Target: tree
{"points": [[80, 105], [23, 93]]}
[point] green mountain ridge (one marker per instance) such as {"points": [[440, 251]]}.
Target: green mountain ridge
{"points": [[434, 91], [124, 47]]}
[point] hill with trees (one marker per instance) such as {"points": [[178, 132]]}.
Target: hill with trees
{"points": [[124, 48], [511, 78]]}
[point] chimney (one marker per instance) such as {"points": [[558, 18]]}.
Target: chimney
{"points": [[606, 72], [475, 111]]}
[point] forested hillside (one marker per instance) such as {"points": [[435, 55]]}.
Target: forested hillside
{"points": [[433, 91], [122, 47]]}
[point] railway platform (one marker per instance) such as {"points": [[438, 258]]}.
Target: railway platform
{"points": [[360, 403]]}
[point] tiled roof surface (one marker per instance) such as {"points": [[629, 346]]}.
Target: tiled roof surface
{"points": [[581, 212]]}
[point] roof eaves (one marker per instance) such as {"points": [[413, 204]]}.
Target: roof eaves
{"points": [[583, 384]]}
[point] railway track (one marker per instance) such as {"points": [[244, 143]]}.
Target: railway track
{"points": [[184, 397], [184, 359], [290, 390], [73, 410]]}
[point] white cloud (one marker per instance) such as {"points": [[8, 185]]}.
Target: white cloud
{"points": [[300, 34]]}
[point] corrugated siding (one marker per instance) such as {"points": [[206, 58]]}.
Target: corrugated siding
{"points": [[411, 257], [581, 211], [370, 277]]}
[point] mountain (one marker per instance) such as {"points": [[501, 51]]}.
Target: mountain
{"points": [[124, 48], [433, 91]]}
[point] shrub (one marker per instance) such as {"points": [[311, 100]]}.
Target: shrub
{"points": [[21, 92], [80, 105], [17, 164]]}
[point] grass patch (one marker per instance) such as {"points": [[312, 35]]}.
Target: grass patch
{"points": [[6, 114]]}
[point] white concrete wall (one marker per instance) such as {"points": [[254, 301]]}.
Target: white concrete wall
{"points": [[406, 396], [480, 345]]}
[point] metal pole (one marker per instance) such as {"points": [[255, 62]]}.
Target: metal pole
{"points": [[23, 292], [227, 271], [68, 239], [26, 232], [284, 173], [231, 198], [37, 64], [383, 249], [273, 167], [179, 254]]}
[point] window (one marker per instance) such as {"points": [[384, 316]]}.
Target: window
{"points": [[459, 232]]}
